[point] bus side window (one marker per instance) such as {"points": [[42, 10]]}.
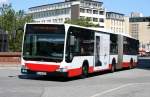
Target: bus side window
{"points": [[83, 42], [113, 44]]}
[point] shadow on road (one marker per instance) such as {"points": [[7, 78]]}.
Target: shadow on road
{"points": [[53, 78], [43, 78], [57, 78], [60, 78]]}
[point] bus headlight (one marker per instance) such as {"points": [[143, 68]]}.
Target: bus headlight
{"points": [[23, 69]]}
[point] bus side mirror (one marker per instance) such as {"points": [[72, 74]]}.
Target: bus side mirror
{"points": [[72, 40]]}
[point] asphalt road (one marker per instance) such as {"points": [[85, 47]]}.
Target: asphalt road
{"points": [[124, 83]]}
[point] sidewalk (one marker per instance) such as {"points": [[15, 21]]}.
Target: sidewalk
{"points": [[9, 65], [10, 68]]}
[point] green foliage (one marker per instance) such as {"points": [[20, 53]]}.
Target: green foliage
{"points": [[82, 22], [13, 23]]}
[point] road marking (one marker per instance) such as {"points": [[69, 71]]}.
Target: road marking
{"points": [[117, 88]]}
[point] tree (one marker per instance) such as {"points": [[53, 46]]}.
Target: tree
{"points": [[82, 22], [13, 23]]}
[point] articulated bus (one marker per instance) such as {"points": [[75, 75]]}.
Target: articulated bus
{"points": [[70, 50]]}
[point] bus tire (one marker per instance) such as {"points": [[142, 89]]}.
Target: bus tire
{"points": [[85, 69], [113, 65], [131, 65]]}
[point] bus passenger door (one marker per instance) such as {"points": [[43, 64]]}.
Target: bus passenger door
{"points": [[102, 47]]}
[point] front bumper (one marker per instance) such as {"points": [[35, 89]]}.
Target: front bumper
{"points": [[26, 71], [56, 73]]}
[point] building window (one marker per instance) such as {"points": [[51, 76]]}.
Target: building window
{"points": [[62, 11], [67, 11], [101, 12], [89, 11], [95, 11], [94, 4], [60, 20], [67, 19], [134, 32], [95, 19], [112, 22], [101, 26], [108, 16], [49, 13], [82, 10], [89, 18], [101, 20], [87, 4]]}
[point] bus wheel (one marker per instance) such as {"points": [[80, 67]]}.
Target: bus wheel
{"points": [[84, 71], [113, 65], [131, 64]]}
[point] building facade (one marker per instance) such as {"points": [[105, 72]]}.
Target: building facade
{"points": [[69, 9], [117, 22], [140, 29]]}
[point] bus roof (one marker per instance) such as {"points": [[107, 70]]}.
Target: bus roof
{"points": [[89, 28]]}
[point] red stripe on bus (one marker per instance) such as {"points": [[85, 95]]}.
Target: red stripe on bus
{"points": [[42, 67], [78, 71], [74, 72], [125, 64], [110, 67], [91, 69]]}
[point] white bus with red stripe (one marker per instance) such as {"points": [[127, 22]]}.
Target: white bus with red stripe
{"points": [[70, 50]]}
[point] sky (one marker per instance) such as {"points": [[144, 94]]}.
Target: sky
{"points": [[121, 6]]}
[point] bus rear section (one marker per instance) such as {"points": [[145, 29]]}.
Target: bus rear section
{"points": [[127, 52], [43, 48]]}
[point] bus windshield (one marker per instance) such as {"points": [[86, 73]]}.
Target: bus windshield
{"points": [[44, 42]]}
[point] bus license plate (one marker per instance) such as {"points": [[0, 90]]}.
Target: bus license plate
{"points": [[41, 73]]}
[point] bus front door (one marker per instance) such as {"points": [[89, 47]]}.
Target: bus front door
{"points": [[102, 47]]}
